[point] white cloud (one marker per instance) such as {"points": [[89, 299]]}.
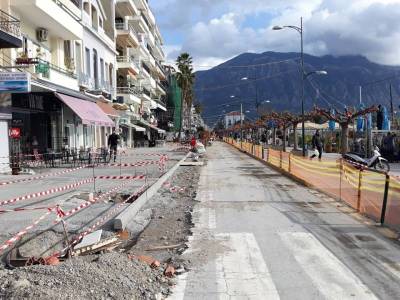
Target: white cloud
{"points": [[214, 31]]}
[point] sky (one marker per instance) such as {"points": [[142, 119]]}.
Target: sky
{"points": [[213, 31]]}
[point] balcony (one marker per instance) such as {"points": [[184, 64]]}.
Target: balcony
{"points": [[160, 89], [55, 74], [10, 31], [125, 8], [129, 94], [141, 23], [126, 35], [128, 62], [160, 71], [56, 16], [85, 81]]}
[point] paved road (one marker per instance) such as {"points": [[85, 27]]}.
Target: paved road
{"points": [[259, 235]]}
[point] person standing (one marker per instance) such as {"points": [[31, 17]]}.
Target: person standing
{"points": [[113, 141], [317, 145], [193, 142]]}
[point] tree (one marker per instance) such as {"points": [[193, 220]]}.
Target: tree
{"points": [[344, 119], [185, 79]]}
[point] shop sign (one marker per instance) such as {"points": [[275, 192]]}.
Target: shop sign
{"points": [[15, 82], [15, 132]]}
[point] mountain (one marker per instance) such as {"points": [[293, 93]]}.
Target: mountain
{"points": [[278, 81]]}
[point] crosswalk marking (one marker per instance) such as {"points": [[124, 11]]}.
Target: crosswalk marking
{"points": [[243, 269], [332, 278]]}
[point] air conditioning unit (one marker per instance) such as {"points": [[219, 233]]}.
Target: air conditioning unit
{"points": [[42, 34]]}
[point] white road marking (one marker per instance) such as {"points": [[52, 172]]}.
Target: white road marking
{"points": [[333, 279], [212, 219], [179, 289], [243, 268]]}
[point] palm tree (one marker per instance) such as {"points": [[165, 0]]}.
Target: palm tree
{"points": [[185, 79]]}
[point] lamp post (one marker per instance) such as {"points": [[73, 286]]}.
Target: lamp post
{"points": [[304, 75], [241, 121]]}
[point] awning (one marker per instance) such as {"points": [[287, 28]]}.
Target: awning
{"points": [[108, 109], [161, 107], [152, 126], [88, 111], [137, 128]]}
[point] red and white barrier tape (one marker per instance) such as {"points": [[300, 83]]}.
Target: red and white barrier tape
{"points": [[137, 164], [46, 193], [24, 231], [90, 202], [41, 176], [102, 220], [116, 177]]}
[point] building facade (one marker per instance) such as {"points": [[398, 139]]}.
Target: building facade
{"points": [[232, 118], [94, 66]]}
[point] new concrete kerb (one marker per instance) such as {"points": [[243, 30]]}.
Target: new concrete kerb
{"points": [[122, 220]]}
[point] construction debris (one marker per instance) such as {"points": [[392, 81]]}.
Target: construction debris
{"points": [[105, 245], [169, 271], [165, 247]]}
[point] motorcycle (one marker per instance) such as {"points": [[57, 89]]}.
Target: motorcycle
{"points": [[376, 161]]}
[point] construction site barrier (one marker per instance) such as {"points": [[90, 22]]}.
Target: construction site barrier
{"points": [[370, 192]]}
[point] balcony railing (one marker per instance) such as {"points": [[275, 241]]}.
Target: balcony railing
{"points": [[128, 59], [128, 90], [85, 80], [10, 24], [43, 67], [127, 26]]}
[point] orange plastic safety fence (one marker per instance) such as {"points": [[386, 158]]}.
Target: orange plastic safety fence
{"points": [[322, 175], [392, 218], [285, 161], [349, 185], [274, 157], [372, 193]]}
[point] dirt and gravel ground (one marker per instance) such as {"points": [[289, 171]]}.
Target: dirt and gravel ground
{"points": [[165, 221]]}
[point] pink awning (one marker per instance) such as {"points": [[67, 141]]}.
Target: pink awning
{"points": [[89, 112]]}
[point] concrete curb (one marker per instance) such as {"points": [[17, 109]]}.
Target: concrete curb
{"points": [[121, 221]]}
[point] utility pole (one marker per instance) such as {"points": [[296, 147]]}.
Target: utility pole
{"points": [[241, 125], [303, 131], [391, 106]]}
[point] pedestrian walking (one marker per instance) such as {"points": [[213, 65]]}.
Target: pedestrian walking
{"points": [[113, 141], [317, 145]]}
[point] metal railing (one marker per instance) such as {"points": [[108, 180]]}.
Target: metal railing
{"points": [[127, 26], [43, 66], [85, 80], [128, 59], [10, 24], [128, 90]]}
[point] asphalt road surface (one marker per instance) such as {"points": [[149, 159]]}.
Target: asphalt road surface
{"points": [[260, 235]]}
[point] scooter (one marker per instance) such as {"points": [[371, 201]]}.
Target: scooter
{"points": [[376, 161]]}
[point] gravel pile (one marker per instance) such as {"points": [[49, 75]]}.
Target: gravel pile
{"points": [[106, 276], [171, 220]]}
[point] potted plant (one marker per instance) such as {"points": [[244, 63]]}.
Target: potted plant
{"points": [[23, 59]]}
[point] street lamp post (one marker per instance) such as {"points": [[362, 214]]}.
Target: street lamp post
{"points": [[303, 77], [241, 121]]}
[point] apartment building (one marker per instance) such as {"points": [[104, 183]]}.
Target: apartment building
{"points": [[92, 65], [140, 75], [10, 37], [68, 51]]}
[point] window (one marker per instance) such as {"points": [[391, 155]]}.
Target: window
{"points": [[68, 57], [95, 69], [86, 7], [95, 18], [87, 61], [107, 74], [102, 70]]}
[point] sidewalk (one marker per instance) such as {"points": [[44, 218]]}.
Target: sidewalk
{"points": [[259, 235]]}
